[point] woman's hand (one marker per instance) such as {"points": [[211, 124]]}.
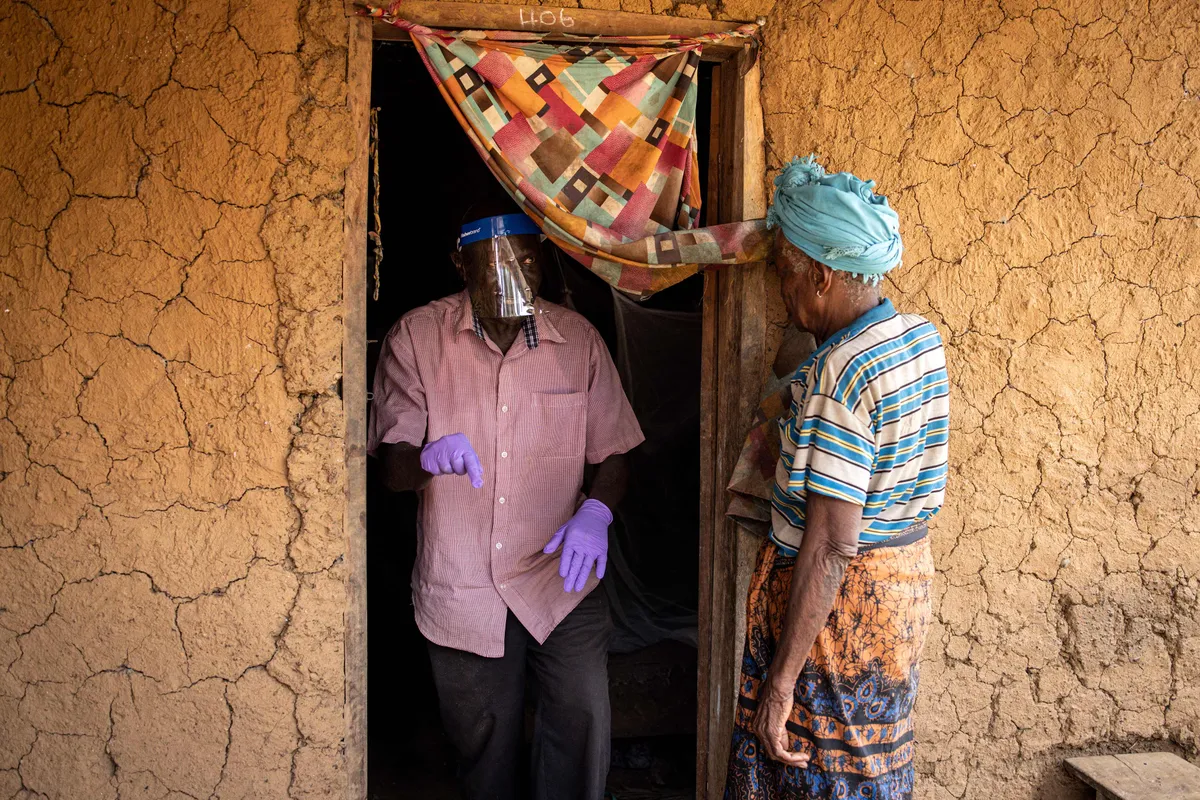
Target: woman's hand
{"points": [[770, 724], [830, 542]]}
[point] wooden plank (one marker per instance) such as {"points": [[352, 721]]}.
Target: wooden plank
{"points": [[708, 428], [739, 361], [719, 700], [754, 170], [385, 32], [1139, 776], [542, 19], [721, 697], [354, 407], [753, 205], [738, 357], [732, 136]]}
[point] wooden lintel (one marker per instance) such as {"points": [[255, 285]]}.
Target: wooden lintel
{"points": [[384, 32], [543, 19]]}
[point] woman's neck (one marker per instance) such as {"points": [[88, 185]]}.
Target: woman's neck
{"points": [[846, 313]]}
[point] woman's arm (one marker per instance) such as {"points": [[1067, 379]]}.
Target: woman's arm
{"points": [[830, 542]]}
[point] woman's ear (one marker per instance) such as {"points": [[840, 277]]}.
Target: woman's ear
{"points": [[822, 276], [456, 257]]}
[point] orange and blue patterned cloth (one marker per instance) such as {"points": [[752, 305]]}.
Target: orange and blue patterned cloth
{"points": [[596, 141], [854, 698], [867, 424]]}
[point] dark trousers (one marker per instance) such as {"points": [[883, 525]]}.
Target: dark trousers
{"points": [[482, 702]]}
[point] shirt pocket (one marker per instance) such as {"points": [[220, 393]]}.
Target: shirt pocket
{"points": [[560, 424]]}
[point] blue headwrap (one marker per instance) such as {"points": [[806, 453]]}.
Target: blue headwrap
{"points": [[836, 219]]}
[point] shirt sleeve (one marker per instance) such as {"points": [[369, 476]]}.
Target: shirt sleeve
{"points": [[835, 450], [398, 410], [612, 426]]}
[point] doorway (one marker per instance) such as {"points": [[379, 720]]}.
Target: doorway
{"points": [[732, 363], [430, 176]]}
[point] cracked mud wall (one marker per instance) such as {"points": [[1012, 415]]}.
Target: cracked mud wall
{"points": [[170, 430], [171, 586], [1044, 160]]}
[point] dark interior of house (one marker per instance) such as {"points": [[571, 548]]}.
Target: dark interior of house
{"points": [[429, 177]]}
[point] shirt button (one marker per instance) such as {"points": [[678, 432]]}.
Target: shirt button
{"points": [[501, 501], [499, 546], [504, 454], [504, 409], [504, 586]]}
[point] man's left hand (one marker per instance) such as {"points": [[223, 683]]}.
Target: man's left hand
{"points": [[584, 540], [770, 724]]}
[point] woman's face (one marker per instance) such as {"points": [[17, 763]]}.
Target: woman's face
{"points": [[798, 277]]}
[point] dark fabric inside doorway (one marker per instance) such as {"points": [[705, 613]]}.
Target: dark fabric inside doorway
{"points": [[430, 174]]}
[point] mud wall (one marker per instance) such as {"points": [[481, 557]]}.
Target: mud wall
{"points": [[1043, 158], [171, 594], [171, 591]]}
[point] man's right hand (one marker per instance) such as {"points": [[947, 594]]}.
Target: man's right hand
{"points": [[452, 455]]}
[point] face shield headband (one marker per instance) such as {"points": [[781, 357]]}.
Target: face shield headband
{"points": [[504, 292]]}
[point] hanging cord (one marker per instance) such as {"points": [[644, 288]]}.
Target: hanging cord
{"points": [[567, 299], [373, 235]]}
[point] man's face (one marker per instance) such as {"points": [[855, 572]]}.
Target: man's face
{"points": [[490, 267]]}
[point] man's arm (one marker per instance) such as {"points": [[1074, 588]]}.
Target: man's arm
{"points": [[402, 467], [408, 467], [830, 543], [586, 533], [611, 480], [398, 412]]}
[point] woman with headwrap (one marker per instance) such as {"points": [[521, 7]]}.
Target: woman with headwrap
{"points": [[840, 600]]}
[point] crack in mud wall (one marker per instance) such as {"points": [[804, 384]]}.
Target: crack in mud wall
{"points": [[171, 587], [1043, 159]]}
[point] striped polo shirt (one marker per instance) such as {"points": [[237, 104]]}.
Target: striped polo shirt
{"points": [[868, 424]]}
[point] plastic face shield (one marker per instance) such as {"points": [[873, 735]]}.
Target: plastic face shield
{"points": [[502, 291]]}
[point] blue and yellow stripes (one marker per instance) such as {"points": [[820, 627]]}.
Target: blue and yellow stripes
{"points": [[869, 425]]}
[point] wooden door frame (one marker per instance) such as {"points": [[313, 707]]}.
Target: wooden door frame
{"points": [[734, 340], [732, 375]]}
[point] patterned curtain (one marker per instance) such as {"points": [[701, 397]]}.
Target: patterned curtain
{"points": [[596, 141]]}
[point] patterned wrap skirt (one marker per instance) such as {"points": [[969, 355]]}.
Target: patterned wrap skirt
{"points": [[854, 699]]}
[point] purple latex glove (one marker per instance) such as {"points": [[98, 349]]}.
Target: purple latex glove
{"points": [[586, 537], [452, 455]]}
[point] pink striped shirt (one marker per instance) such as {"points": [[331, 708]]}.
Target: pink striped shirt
{"points": [[534, 417]]}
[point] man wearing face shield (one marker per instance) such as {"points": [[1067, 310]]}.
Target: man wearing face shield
{"points": [[489, 404]]}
